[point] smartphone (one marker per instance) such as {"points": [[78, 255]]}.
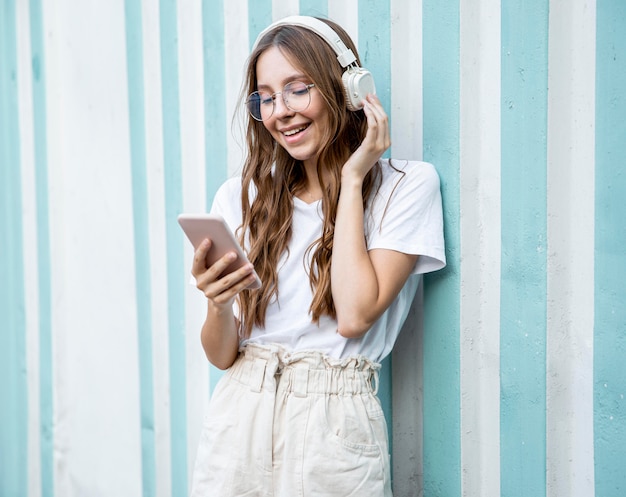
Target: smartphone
{"points": [[197, 227]]}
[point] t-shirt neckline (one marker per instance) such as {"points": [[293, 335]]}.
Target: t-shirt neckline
{"points": [[298, 200]]}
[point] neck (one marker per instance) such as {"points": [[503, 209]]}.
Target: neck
{"points": [[312, 190]]}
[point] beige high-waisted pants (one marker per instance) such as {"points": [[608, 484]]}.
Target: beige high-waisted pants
{"points": [[294, 425]]}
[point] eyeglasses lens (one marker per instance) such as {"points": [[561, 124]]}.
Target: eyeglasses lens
{"points": [[295, 95]]}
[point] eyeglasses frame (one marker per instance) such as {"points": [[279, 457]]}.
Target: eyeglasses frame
{"points": [[273, 97]]}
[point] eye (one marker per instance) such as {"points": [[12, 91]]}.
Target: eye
{"points": [[297, 89], [299, 92], [265, 99]]}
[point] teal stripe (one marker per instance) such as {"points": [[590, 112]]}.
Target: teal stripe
{"points": [[374, 51], [143, 281], [523, 260], [442, 422], [176, 274], [259, 17], [46, 398], [610, 254], [216, 118], [315, 8], [13, 387]]}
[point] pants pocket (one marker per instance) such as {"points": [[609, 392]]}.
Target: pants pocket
{"points": [[344, 455]]}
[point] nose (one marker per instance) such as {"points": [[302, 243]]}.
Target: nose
{"points": [[280, 107]]}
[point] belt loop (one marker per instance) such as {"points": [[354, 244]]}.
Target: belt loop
{"points": [[355, 381], [257, 374], [300, 382], [375, 381]]}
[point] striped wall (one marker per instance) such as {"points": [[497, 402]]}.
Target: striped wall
{"points": [[509, 379]]}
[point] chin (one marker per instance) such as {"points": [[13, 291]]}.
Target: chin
{"points": [[299, 156]]}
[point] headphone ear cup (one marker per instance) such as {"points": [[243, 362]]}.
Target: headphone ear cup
{"points": [[357, 84]]}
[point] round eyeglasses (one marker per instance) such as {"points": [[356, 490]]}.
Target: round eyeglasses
{"points": [[295, 95]]}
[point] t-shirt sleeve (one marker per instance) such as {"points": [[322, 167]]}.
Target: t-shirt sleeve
{"points": [[407, 216]]}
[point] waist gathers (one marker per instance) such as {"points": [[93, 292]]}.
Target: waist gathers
{"points": [[304, 372]]}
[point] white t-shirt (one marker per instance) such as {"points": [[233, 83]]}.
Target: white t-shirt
{"points": [[405, 215]]}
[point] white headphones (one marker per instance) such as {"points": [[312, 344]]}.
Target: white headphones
{"points": [[357, 81]]}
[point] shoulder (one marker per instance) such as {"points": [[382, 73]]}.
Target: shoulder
{"points": [[412, 174], [406, 180], [229, 193], [230, 187], [227, 201]]}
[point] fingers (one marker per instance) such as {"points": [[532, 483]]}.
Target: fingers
{"points": [[199, 266], [374, 144], [199, 258], [223, 289], [378, 123], [209, 280]]}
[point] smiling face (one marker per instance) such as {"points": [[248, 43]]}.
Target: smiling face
{"points": [[302, 133]]}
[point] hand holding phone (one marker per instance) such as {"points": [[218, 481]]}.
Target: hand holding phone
{"points": [[199, 227]]}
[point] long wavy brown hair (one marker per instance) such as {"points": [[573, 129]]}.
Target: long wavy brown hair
{"points": [[271, 177]]}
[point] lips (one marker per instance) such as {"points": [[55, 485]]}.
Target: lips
{"points": [[294, 131]]}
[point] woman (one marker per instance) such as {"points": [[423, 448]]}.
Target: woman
{"points": [[335, 233]]}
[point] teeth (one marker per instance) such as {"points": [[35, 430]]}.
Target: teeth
{"points": [[294, 131]]}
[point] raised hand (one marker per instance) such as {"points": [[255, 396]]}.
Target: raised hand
{"points": [[376, 140]]}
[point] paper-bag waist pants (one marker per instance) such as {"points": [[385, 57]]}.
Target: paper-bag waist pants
{"points": [[286, 424]]}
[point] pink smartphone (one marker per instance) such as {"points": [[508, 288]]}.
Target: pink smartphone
{"points": [[197, 227]]}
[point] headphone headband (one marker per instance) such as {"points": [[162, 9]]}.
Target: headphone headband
{"points": [[345, 56]]}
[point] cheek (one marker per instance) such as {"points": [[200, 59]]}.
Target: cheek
{"points": [[321, 116], [268, 125], [323, 127]]}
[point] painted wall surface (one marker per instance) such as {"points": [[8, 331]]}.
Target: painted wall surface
{"points": [[116, 116]]}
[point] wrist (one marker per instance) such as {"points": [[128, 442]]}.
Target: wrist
{"points": [[220, 309], [351, 180]]}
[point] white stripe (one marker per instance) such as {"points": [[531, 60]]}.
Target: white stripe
{"points": [[191, 82], [571, 143], [158, 245], [407, 410], [406, 138], [480, 247], [346, 15], [94, 308], [284, 8], [193, 172], [29, 234], [406, 82]]}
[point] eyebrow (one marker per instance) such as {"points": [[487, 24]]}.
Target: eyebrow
{"points": [[293, 77]]}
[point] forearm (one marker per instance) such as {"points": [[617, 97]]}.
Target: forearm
{"points": [[219, 336], [353, 278]]}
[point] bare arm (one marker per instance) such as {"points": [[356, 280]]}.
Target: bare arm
{"points": [[363, 283], [219, 335]]}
